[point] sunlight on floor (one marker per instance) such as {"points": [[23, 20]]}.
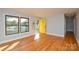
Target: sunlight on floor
{"points": [[2, 48], [12, 46]]}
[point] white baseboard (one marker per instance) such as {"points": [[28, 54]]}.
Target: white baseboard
{"points": [[56, 34], [14, 39]]}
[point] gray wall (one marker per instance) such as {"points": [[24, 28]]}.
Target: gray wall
{"points": [[3, 37], [55, 24]]}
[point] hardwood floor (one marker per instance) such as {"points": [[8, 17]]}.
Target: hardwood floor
{"points": [[45, 43], [70, 42]]}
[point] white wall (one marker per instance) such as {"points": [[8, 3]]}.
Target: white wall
{"points": [[55, 24], [77, 27], [3, 37]]}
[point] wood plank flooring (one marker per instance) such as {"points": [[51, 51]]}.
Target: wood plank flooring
{"points": [[70, 42], [45, 43]]}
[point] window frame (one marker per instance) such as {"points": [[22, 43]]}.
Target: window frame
{"points": [[6, 24], [20, 24]]}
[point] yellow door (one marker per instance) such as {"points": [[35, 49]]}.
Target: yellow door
{"points": [[42, 25]]}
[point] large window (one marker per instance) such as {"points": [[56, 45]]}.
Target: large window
{"points": [[11, 24], [14, 24], [24, 24]]}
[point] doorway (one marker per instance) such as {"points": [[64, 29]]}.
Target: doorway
{"points": [[70, 23]]}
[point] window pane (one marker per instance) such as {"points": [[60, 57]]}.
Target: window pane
{"points": [[24, 24], [24, 28], [11, 25], [12, 29], [24, 21]]}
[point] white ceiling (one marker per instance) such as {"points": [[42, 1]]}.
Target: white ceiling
{"points": [[42, 12]]}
